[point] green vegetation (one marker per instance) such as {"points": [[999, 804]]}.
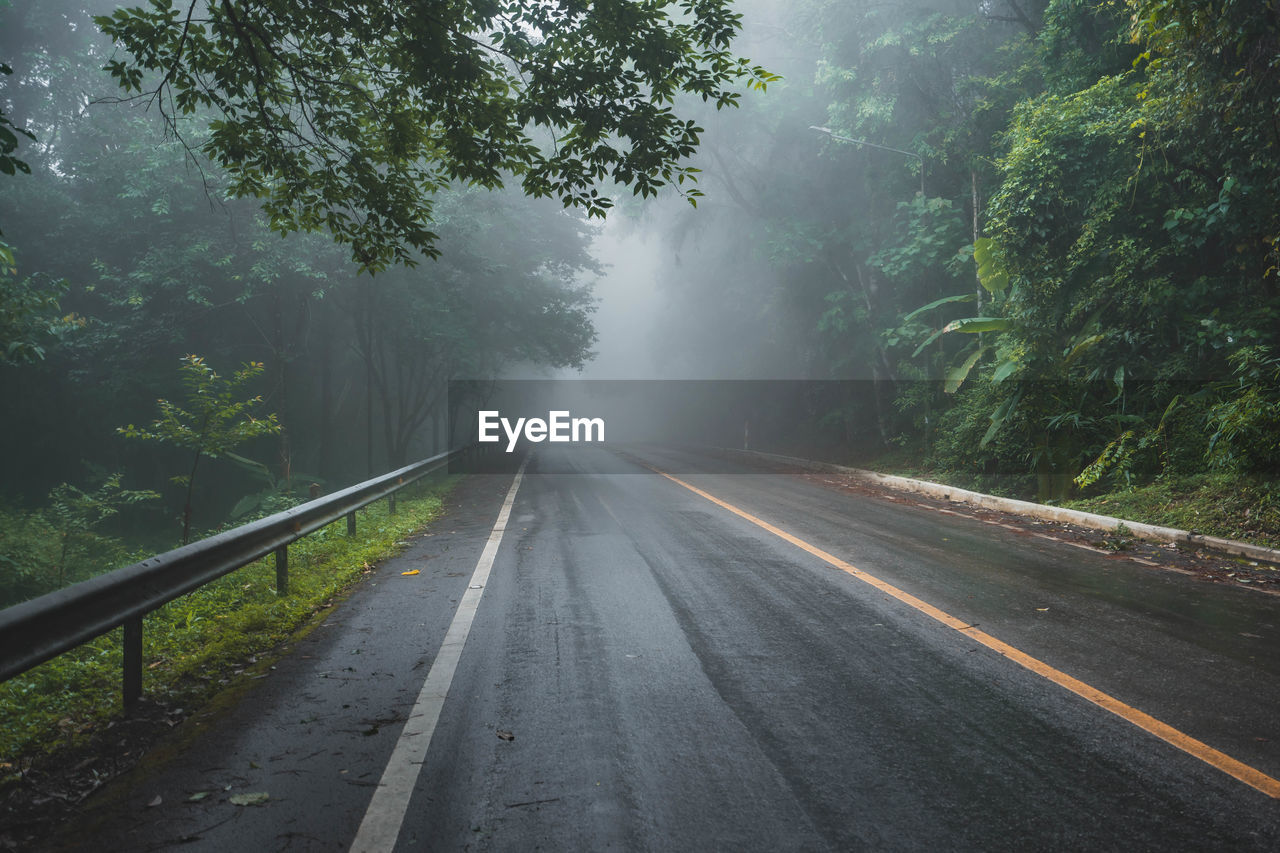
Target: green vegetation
{"points": [[125, 248], [1212, 504], [352, 120], [42, 550], [193, 645], [72, 514], [214, 423], [1059, 264]]}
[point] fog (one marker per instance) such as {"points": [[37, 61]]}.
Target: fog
{"points": [[690, 293], [809, 258]]}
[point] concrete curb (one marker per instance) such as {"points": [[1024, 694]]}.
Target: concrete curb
{"points": [[1149, 532]]}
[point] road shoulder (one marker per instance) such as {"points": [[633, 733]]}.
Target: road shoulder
{"points": [[309, 729]]}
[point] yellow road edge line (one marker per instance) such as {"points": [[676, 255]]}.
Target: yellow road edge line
{"points": [[1250, 776]]}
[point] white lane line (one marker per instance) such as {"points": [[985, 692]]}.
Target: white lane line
{"points": [[381, 825]]}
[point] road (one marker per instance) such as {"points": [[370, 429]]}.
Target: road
{"points": [[651, 669]]}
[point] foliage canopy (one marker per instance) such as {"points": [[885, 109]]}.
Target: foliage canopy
{"points": [[350, 115]]}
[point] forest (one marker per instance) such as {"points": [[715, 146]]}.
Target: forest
{"points": [[1042, 231], [1043, 234]]}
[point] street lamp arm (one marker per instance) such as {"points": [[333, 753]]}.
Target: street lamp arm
{"points": [[829, 132]]}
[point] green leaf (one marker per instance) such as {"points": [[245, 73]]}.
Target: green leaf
{"points": [[963, 297], [1005, 369], [928, 341], [1080, 347], [244, 505], [990, 275], [957, 375], [262, 471], [973, 325], [998, 418]]}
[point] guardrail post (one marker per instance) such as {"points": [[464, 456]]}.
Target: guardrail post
{"points": [[351, 523], [132, 661], [282, 570], [391, 504]]}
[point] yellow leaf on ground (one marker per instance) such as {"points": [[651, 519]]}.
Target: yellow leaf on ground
{"points": [[411, 572]]}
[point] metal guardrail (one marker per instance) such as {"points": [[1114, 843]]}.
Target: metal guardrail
{"points": [[35, 631]]}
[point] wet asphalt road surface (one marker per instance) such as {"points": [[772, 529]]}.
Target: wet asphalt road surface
{"points": [[649, 671]]}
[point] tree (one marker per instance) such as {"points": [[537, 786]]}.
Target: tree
{"points": [[213, 423], [162, 263], [19, 302], [9, 132], [73, 513], [27, 312], [504, 291], [350, 116]]}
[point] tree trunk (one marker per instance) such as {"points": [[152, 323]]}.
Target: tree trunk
{"points": [[368, 376], [977, 231], [324, 461], [186, 508], [278, 346], [881, 426]]}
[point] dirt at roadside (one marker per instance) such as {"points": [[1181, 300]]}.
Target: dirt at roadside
{"points": [[39, 793]]}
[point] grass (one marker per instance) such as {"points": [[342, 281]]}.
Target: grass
{"points": [[1212, 504], [193, 645]]}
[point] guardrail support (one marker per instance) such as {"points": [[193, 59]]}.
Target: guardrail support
{"points": [[132, 661], [282, 570], [351, 523]]}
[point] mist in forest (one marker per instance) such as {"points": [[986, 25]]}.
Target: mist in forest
{"points": [[690, 293], [981, 244], [983, 212]]}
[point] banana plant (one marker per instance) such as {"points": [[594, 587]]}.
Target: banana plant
{"points": [[995, 281]]}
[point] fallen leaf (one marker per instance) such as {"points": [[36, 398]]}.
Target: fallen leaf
{"points": [[197, 796], [155, 802], [255, 799], [410, 572], [253, 765], [506, 735], [1041, 609]]}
